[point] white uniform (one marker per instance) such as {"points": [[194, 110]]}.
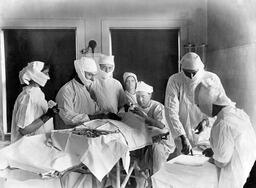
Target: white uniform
{"points": [[131, 98], [75, 103], [233, 141], [164, 148], [29, 106], [181, 112], [109, 94]]}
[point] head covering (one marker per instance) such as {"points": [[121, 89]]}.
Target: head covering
{"points": [[33, 72], [127, 74], [85, 64], [207, 93], [142, 86], [107, 60], [191, 61]]}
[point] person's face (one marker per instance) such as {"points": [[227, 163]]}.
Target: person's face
{"points": [[106, 68], [89, 76], [130, 83], [143, 98], [190, 73]]}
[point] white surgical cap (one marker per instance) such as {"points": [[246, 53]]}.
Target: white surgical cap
{"points": [[127, 74], [33, 72], [191, 61], [85, 64], [142, 86], [207, 93], [109, 60]]}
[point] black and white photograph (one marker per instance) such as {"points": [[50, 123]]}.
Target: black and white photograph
{"points": [[127, 94]]}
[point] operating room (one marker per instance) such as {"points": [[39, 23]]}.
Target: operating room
{"points": [[152, 43]]}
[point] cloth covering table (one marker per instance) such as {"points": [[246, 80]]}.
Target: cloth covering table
{"points": [[186, 171], [45, 154]]}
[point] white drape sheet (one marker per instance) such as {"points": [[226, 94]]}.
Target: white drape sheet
{"points": [[186, 171]]}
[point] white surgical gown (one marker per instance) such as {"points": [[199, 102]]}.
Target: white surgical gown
{"points": [[181, 112], [109, 94], [233, 141], [29, 106], [162, 149], [75, 103]]}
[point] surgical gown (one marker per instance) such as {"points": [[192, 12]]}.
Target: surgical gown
{"points": [[75, 103], [109, 94], [29, 106], [233, 141], [181, 112]]}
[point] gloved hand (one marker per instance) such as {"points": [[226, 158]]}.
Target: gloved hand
{"points": [[208, 152], [126, 107], [186, 147], [139, 112], [113, 116], [201, 126], [50, 113], [98, 116]]}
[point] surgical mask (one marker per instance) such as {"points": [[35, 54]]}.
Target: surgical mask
{"points": [[195, 78], [105, 75]]}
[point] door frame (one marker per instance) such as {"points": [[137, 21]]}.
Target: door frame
{"points": [[107, 24], [77, 24]]}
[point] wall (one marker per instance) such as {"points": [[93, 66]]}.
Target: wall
{"points": [[94, 11], [231, 49]]}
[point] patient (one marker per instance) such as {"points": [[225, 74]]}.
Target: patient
{"points": [[232, 136], [31, 112], [154, 114]]}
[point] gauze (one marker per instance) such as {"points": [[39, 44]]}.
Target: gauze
{"points": [[85, 64], [33, 72]]}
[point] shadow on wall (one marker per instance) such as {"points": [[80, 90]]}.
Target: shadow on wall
{"points": [[231, 50]]}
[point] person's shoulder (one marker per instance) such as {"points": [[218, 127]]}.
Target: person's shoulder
{"points": [[157, 104], [67, 87], [209, 74]]}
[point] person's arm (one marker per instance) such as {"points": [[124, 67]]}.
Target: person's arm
{"points": [[37, 123], [122, 98]]}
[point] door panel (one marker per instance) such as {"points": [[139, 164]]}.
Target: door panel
{"points": [[152, 54]]}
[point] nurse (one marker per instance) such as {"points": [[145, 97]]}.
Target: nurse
{"points": [[232, 136], [31, 112]]}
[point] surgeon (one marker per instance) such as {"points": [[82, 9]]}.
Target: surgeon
{"points": [[154, 114], [130, 83], [183, 116], [31, 111], [74, 98], [232, 136], [108, 91]]}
